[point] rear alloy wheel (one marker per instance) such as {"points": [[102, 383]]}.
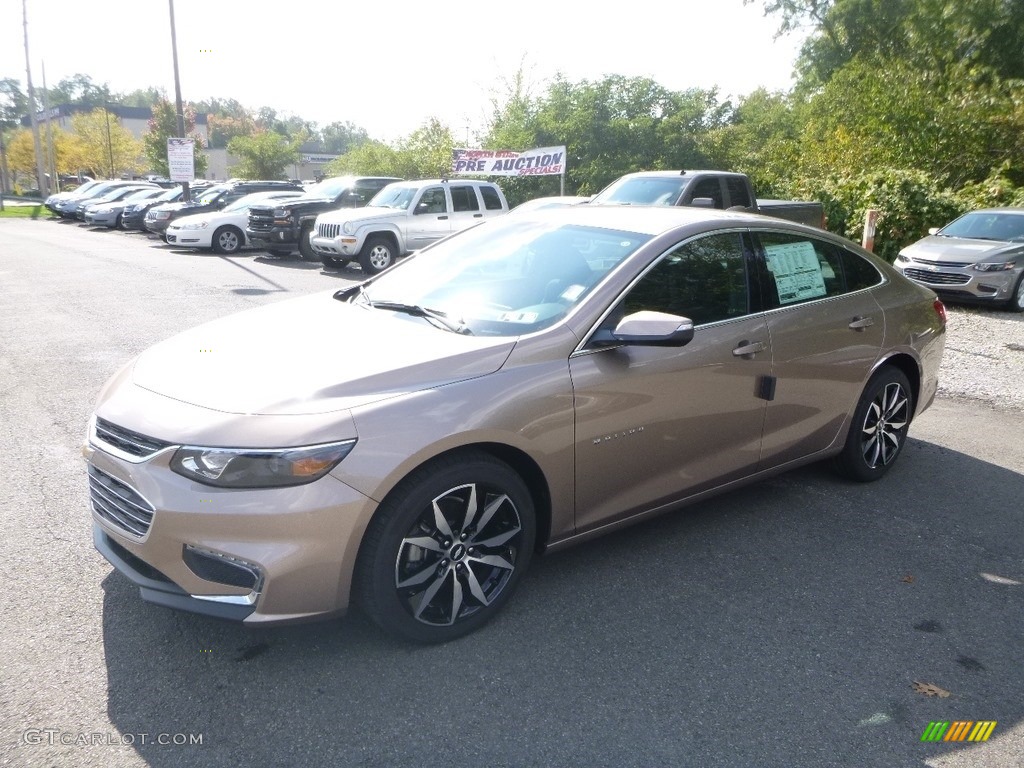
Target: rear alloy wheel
{"points": [[305, 249], [377, 255], [879, 428], [1016, 302], [447, 549], [228, 240]]}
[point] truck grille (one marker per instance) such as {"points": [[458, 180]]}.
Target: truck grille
{"points": [[119, 504], [125, 440], [328, 230], [937, 278], [261, 219]]}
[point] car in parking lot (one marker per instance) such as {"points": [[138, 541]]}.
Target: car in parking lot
{"points": [[213, 198], [108, 211], [978, 258], [517, 387], [222, 231]]}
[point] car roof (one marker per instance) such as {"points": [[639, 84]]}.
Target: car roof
{"points": [[643, 219], [677, 174]]}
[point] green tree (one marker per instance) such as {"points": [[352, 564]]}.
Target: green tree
{"points": [[339, 138], [163, 125], [264, 155], [426, 153]]}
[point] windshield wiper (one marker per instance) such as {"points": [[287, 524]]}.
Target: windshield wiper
{"points": [[430, 314]]}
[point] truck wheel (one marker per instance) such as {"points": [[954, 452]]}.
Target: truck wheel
{"points": [[305, 249], [377, 255], [330, 262]]}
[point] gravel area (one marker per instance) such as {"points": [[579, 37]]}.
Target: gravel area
{"points": [[984, 358]]}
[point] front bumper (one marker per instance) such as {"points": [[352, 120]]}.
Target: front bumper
{"points": [[101, 219], [157, 226], [343, 246], [189, 238], [278, 238], [962, 283], [299, 544]]}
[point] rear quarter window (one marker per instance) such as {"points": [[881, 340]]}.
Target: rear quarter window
{"points": [[802, 269], [492, 200]]}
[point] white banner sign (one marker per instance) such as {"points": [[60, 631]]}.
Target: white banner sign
{"points": [[181, 159], [546, 161]]}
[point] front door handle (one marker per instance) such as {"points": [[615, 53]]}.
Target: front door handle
{"points": [[860, 323], [748, 348]]}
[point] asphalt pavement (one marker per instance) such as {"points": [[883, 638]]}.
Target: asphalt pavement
{"points": [[784, 624]]}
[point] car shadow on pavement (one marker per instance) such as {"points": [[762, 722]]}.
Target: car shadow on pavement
{"points": [[291, 262], [783, 624]]}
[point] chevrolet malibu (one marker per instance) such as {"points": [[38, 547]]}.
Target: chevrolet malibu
{"points": [[979, 258], [518, 387]]}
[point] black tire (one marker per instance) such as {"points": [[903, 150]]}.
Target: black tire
{"points": [[1016, 302], [878, 431], [279, 253], [378, 254], [330, 262], [427, 571], [305, 249], [119, 222], [228, 240]]}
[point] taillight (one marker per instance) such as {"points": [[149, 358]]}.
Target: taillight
{"points": [[940, 310]]}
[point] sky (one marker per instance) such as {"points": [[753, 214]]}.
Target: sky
{"points": [[388, 67]]}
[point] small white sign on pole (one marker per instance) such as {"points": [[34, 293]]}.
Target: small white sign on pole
{"points": [[181, 159]]}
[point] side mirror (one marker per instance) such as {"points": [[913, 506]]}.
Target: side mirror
{"points": [[933, 230], [703, 202], [648, 329]]}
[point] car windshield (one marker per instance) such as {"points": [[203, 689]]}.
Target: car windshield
{"points": [[328, 188], [987, 225], [503, 278], [642, 191], [139, 194], [169, 196], [394, 196], [211, 195]]}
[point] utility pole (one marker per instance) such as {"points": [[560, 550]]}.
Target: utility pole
{"points": [[179, 110], [52, 166], [40, 173], [110, 145]]}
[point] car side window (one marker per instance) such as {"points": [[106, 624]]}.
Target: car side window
{"points": [[464, 198], [492, 201], [804, 268], [709, 187], [432, 201], [739, 192], [705, 280]]}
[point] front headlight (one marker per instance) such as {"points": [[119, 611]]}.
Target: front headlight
{"points": [[348, 228], [994, 266], [259, 468], [280, 213], [195, 225], [161, 215], [901, 259]]}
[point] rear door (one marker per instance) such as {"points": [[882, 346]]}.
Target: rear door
{"points": [[467, 208], [826, 332]]}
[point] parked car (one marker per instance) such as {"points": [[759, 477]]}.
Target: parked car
{"points": [[549, 202], [979, 258], [214, 198], [58, 197], [110, 213], [517, 387], [66, 207], [112, 196], [224, 230], [401, 218], [282, 229], [134, 215]]}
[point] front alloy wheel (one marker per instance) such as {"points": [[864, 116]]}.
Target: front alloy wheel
{"points": [[879, 429], [447, 549]]}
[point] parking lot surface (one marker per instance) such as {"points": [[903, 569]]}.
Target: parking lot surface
{"points": [[784, 624]]}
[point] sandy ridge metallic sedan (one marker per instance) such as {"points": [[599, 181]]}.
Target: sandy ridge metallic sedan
{"points": [[518, 387]]}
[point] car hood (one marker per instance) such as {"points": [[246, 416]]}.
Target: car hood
{"points": [[955, 249], [361, 214], [193, 218], [311, 355]]}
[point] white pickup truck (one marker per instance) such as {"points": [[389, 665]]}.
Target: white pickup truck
{"points": [[403, 217]]}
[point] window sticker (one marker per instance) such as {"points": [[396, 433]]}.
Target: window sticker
{"points": [[797, 271]]}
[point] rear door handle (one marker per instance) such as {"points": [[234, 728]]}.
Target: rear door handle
{"points": [[478, 215], [860, 323], [748, 348]]}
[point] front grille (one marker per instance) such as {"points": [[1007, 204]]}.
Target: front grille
{"points": [[119, 504], [125, 440], [328, 230], [261, 219], [937, 278], [946, 264]]}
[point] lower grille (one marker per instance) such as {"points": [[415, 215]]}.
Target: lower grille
{"points": [[119, 504], [937, 278], [328, 230]]}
